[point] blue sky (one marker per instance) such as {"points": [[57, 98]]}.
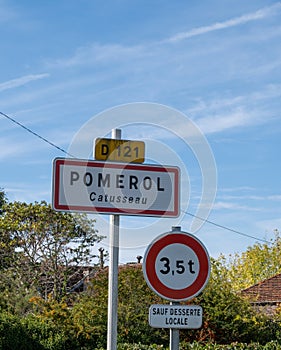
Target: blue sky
{"points": [[217, 62]]}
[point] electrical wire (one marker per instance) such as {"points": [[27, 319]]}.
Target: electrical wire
{"points": [[227, 228], [36, 134], [185, 212]]}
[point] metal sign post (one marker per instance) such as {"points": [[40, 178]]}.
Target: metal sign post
{"points": [[176, 266], [112, 317], [127, 188], [174, 334]]}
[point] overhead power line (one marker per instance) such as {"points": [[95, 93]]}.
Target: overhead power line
{"points": [[227, 228], [35, 134], [64, 151]]}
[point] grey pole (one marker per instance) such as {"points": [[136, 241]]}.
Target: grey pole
{"points": [[174, 339], [113, 273], [175, 333]]}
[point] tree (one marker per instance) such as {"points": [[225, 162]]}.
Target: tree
{"points": [[226, 316], [6, 248], [3, 199], [44, 250], [256, 264], [89, 314]]}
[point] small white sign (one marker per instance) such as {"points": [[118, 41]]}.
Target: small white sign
{"points": [[175, 316]]}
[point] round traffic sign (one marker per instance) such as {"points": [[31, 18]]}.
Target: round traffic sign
{"points": [[176, 266]]}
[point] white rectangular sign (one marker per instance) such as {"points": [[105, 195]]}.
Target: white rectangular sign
{"points": [[175, 316], [115, 188]]}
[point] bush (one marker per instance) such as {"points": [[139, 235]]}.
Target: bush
{"points": [[273, 345], [134, 298], [14, 335], [139, 346], [227, 317], [30, 333]]}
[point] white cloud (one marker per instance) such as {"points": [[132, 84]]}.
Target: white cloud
{"points": [[97, 53], [232, 206], [14, 83], [269, 225], [225, 121], [10, 149], [237, 111], [239, 188], [276, 197], [6, 13], [24, 192], [262, 13], [267, 92]]}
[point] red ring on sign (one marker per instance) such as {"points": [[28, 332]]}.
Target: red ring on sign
{"points": [[204, 266]]}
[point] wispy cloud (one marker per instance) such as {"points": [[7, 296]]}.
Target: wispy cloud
{"points": [[25, 192], [269, 225], [142, 55], [14, 83], [233, 22], [97, 53], [238, 188], [267, 92], [274, 198], [10, 149], [6, 13], [233, 206], [237, 111], [225, 121]]}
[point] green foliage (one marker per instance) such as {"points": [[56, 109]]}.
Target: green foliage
{"points": [[30, 333], [13, 335], [227, 316], [134, 299], [256, 264], [40, 248], [47, 334], [81, 323], [272, 345], [140, 346], [3, 199]]}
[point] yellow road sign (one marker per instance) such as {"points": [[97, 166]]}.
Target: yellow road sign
{"points": [[119, 150]]}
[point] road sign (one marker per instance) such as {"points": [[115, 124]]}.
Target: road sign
{"points": [[175, 316], [119, 150], [115, 188], [176, 266]]}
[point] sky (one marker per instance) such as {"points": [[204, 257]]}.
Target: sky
{"points": [[71, 68]]}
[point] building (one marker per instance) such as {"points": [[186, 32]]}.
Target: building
{"points": [[265, 295]]}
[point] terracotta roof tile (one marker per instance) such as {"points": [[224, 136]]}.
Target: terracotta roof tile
{"points": [[268, 290]]}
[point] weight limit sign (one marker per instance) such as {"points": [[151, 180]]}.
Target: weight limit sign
{"points": [[176, 266]]}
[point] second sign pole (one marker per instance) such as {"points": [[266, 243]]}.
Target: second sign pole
{"points": [[174, 334]]}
